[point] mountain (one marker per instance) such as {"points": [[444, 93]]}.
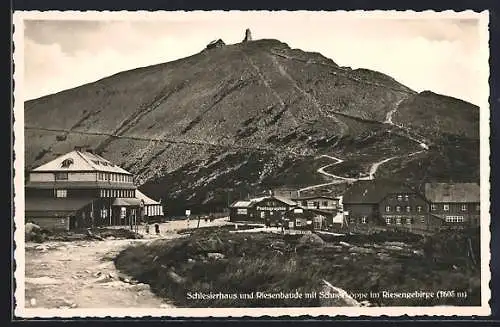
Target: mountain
{"points": [[202, 131]]}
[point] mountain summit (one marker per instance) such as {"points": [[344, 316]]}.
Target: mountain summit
{"points": [[203, 130]]}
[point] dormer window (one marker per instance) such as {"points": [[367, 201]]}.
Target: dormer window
{"points": [[66, 163]]}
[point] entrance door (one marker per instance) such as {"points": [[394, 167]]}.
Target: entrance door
{"points": [[72, 222]]}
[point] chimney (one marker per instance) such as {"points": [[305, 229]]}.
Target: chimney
{"points": [[78, 148]]}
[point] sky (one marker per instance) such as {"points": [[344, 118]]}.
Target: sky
{"points": [[441, 55]]}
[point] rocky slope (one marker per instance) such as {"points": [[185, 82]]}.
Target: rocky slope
{"points": [[209, 128]]}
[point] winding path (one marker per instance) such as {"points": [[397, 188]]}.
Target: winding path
{"points": [[374, 166]]}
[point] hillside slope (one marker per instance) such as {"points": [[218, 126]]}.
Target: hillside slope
{"points": [[245, 117]]}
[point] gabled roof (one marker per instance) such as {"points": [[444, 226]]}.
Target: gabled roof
{"points": [[452, 192], [372, 191], [284, 200], [251, 202], [241, 204], [143, 197], [80, 161]]}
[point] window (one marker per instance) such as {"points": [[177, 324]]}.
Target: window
{"points": [[446, 207], [387, 208], [422, 220], [454, 219], [61, 193], [398, 208], [363, 220], [408, 221], [464, 207], [304, 203], [352, 220], [61, 176], [398, 221], [433, 207], [104, 213], [316, 204], [123, 212], [242, 211], [325, 203], [419, 208], [478, 207], [400, 197], [388, 220], [262, 214], [408, 209], [66, 163], [406, 197]]}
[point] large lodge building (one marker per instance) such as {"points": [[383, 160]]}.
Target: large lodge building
{"points": [[388, 204], [82, 189]]}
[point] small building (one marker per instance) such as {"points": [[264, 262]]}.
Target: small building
{"points": [[215, 44], [286, 192], [241, 211], [306, 218], [385, 203], [320, 202], [267, 210], [456, 204], [152, 210]]}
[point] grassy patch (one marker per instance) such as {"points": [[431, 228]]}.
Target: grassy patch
{"points": [[213, 262]]}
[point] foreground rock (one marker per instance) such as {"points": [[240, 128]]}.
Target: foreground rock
{"points": [[336, 297]]}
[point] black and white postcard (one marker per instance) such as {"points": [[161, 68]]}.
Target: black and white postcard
{"points": [[251, 163]]}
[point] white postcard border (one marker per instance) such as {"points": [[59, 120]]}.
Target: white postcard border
{"points": [[19, 253]]}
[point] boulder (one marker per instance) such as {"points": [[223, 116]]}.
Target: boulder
{"points": [[215, 255], [32, 228], [311, 239]]}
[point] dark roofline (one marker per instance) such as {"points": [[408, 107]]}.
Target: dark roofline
{"points": [[381, 181], [63, 170], [314, 197], [80, 185]]}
